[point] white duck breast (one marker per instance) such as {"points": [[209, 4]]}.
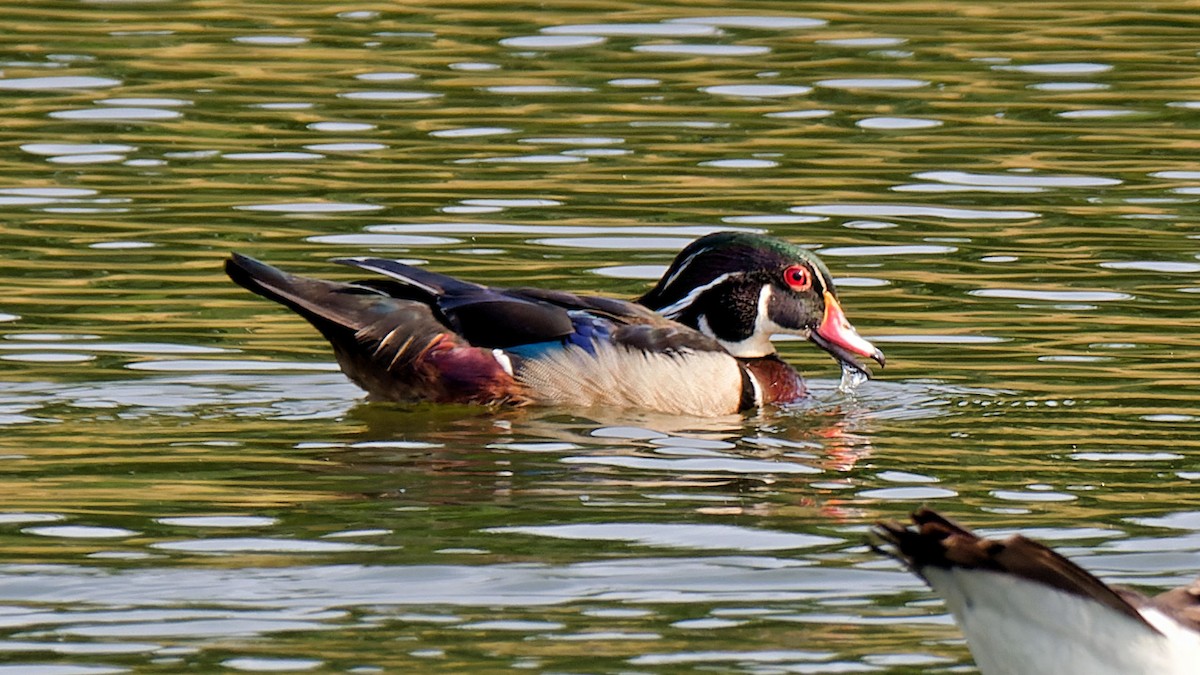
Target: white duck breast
{"points": [[614, 375]]}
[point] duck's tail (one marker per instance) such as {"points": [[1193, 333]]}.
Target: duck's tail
{"points": [[393, 347]]}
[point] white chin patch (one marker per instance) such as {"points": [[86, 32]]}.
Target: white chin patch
{"points": [[759, 342]]}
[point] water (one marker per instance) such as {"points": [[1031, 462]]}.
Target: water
{"points": [[1007, 197]]}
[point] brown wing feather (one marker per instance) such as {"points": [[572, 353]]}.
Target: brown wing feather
{"points": [[939, 542]]}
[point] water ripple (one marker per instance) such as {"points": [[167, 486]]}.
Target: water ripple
{"points": [[541, 229], [764, 22], [260, 545], [1099, 113], [310, 207], [714, 465], [757, 90], [271, 40], [899, 249], [676, 535], [897, 123], [256, 664], [741, 163], [679, 30], [864, 42], [219, 521], [275, 156], [1168, 267], [341, 126], [1076, 68], [471, 132], [144, 102], [704, 50], [911, 210], [381, 240], [116, 114], [345, 147], [525, 159], [389, 95], [1016, 179], [872, 83], [537, 89], [1050, 296], [1069, 86], [386, 76], [58, 82], [553, 41]]}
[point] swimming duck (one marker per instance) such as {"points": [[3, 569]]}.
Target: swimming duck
{"points": [[1027, 610], [698, 343]]}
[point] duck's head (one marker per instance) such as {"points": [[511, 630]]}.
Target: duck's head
{"points": [[741, 288]]}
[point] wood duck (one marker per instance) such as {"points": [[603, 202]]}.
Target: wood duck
{"points": [[1027, 610], [698, 343]]}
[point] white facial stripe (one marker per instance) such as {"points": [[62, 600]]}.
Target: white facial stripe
{"points": [[676, 308], [682, 266], [819, 282]]}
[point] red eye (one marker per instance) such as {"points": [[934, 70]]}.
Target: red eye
{"points": [[798, 277]]}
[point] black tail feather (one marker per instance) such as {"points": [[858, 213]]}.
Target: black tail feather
{"points": [[434, 284], [375, 336], [324, 303]]}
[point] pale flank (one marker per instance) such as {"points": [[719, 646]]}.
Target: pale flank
{"points": [[616, 376]]}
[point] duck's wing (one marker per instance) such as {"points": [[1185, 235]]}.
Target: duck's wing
{"points": [[633, 325], [481, 315], [526, 319], [1026, 609], [940, 543]]}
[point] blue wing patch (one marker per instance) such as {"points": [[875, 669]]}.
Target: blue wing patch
{"points": [[588, 331]]}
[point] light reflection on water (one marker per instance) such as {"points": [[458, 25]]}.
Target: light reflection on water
{"points": [[190, 482]]}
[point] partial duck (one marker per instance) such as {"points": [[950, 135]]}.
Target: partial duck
{"points": [[698, 343], [1027, 610]]}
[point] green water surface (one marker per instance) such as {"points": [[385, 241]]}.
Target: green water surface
{"points": [[1007, 194]]}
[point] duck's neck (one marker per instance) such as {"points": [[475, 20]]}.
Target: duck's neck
{"points": [[778, 381]]}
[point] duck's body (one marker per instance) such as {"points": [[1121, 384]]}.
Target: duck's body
{"points": [[416, 335], [1027, 610]]}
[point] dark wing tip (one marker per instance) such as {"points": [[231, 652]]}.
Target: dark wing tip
{"points": [[249, 273], [238, 261], [929, 542], [935, 541]]}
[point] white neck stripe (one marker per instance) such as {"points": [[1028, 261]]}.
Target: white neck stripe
{"points": [[682, 266], [676, 308], [759, 342]]}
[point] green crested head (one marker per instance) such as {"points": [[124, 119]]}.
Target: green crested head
{"points": [[743, 287]]}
